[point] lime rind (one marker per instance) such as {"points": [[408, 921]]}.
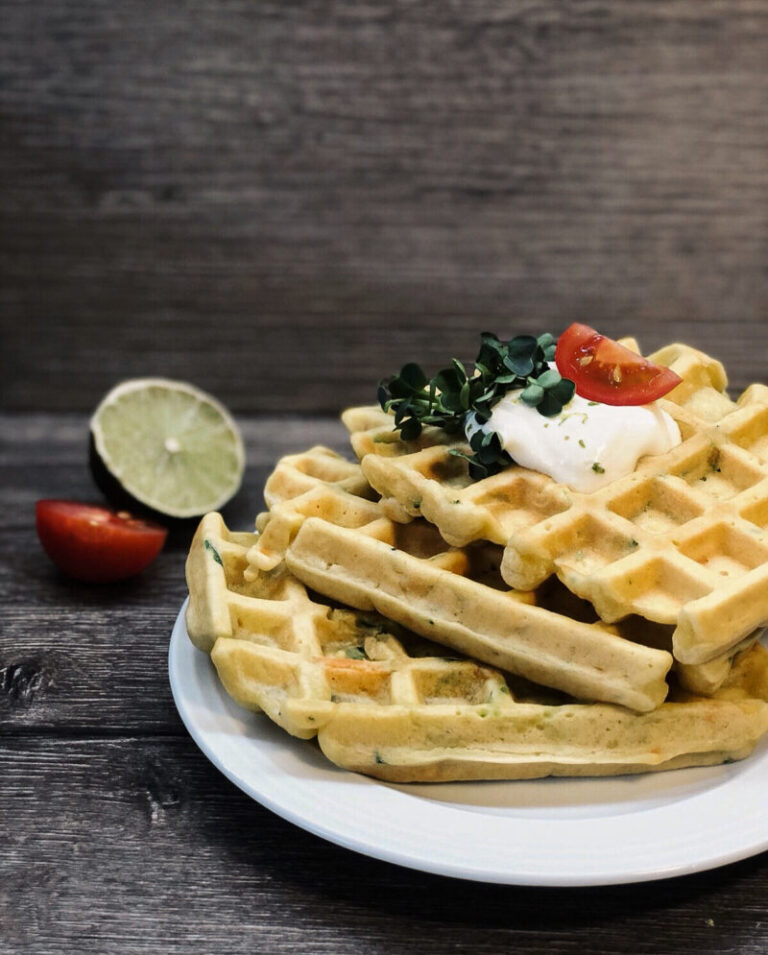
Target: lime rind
{"points": [[170, 445]]}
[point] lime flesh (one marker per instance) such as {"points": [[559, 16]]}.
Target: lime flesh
{"points": [[170, 446]]}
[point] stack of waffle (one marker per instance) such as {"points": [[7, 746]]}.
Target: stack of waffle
{"points": [[589, 634]]}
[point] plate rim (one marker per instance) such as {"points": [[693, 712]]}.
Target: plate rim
{"points": [[324, 821]]}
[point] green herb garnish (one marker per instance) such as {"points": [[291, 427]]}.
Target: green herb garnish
{"points": [[445, 400]]}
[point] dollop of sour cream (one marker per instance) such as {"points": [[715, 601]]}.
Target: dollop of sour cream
{"points": [[587, 445]]}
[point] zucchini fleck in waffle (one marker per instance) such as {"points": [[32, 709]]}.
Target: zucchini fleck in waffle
{"points": [[682, 540], [385, 705]]}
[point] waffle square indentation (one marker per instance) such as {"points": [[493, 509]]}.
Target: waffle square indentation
{"points": [[725, 550], [442, 466], [718, 473], [657, 507], [269, 628], [757, 512], [658, 588], [456, 684], [352, 681], [591, 544], [752, 434], [521, 500]]}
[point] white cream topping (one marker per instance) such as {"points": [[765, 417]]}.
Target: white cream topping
{"points": [[587, 445]]}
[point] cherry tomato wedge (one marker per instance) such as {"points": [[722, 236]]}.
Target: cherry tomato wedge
{"points": [[603, 370], [94, 543]]}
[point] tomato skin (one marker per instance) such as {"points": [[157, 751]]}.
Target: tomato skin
{"points": [[95, 544], [603, 370]]}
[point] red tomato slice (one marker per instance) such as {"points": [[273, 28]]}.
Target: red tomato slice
{"points": [[96, 544], [603, 370]]}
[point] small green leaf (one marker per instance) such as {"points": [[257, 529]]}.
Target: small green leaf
{"points": [[520, 356], [549, 379], [550, 405], [411, 429], [564, 390], [532, 395], [413, 376], [445, 400]]}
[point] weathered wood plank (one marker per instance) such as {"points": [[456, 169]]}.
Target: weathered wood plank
{"points": [[284, 201], [94, 658], [134, 846], [118, 836]]}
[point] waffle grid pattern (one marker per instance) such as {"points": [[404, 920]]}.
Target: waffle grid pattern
{"points": [[409, 574], [277, 649], [379, 709], [681, 541]]}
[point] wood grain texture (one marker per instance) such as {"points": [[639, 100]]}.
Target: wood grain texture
{"points": [[140, 847], [284, 201], [118, 836], [74, 657]]}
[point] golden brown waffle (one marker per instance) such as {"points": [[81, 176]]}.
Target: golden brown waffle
{"points": [[298, 650], [378, 705], [450, 595], [681, 541], [316, 483], [423, 478], [455, 597]]}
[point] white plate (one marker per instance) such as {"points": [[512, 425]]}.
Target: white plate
{"points": [[555, 832]]}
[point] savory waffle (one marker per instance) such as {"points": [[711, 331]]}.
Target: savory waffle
{"points": [[345, 548], [320, 483], [379, 705], [425, 478], [683, 540], [315, 482]]}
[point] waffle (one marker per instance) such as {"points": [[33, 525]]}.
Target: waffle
{"points": [[682, 541], [342, 546], [320, 483], [385, 705], [315, 482]]}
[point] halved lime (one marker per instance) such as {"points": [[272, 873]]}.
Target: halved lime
{"points": [[168, 445]]}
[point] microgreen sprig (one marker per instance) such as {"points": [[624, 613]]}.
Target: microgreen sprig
{"points": [[446, 400]]}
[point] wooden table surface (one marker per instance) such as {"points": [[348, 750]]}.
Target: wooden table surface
{"points": [[281, 202], [119, 836]]}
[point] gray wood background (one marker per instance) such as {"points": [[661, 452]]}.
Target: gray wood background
{"points": [[283, 201], [118, 837]]}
